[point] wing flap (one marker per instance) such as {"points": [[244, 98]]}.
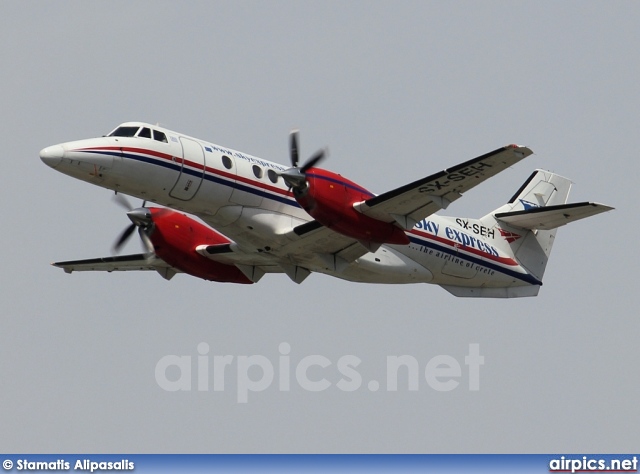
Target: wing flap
{"points": [[313, 244], [551, 217], [412, 202]]}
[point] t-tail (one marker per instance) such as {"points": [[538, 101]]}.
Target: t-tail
{"points": [[528, 224]]}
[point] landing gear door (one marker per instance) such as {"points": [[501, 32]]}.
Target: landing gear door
{"points": [[192, 171]]}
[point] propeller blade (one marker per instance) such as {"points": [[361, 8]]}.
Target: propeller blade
{"points": [[146, 240], [141, 218], [314, 160], [123, 238], [295, 177], [122, 201], [293, 142]]}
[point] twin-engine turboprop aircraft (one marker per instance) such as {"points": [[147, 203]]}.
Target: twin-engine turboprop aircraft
{"points": [[300, 219]]}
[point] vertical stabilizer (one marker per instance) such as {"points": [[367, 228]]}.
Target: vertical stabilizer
{"points": [[543, 188], [531, 247]]}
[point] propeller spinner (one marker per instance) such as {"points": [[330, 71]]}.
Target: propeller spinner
{"points": [[295, 177], [140, 218]]}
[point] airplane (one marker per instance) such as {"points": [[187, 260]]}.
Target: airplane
{"points": [[227, 216]]}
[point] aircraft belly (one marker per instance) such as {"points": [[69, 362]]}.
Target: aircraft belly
{"points": [[460, 267], [449, 269], [384, 266], [255, 228]]}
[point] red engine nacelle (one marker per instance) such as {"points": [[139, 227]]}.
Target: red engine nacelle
{"points": [[329, 199], [175, 237]]}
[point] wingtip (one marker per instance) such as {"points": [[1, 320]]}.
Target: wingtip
{"points": [[522, 151], [606, 207]]}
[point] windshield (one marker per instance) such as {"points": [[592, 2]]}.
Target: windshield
{"points": [[124, 132], [141, 132]]}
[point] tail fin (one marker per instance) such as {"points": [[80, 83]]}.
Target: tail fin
{"points": [[534, 213], [541, 189]]}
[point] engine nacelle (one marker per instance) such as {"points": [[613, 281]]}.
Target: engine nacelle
{"points": [[329, 199], [175, 237]]}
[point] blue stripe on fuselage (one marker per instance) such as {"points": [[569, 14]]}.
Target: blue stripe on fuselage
{"points": [[209, 177], [526, 277]]}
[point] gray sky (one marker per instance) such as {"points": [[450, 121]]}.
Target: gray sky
{"points": [[397, 90]]}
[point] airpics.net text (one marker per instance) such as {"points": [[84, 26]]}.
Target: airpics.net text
{"points": [[313, 373]]}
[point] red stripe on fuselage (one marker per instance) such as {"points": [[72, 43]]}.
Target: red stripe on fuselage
{"points": [[191, 164], [317, 172], [466, 248]]}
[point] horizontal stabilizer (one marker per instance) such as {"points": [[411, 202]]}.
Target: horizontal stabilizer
{"points": [[551, 217], [487, 292]]}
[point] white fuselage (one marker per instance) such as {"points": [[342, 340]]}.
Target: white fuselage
{"points": [[243, 197]]}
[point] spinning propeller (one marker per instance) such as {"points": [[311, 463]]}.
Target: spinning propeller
{"points": [[296, 177], [140, 218]]}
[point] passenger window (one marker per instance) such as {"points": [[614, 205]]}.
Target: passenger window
{"points": [[273, 176], [226, 161], [145, 133], [159, 136], [257, 171]]}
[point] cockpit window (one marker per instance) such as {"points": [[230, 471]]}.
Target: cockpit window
{"points": [[124, 132], [140, 132], [159, 136], [145, 133]]}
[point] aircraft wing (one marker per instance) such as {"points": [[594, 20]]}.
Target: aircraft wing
{"points": [[409, 204], [308, 245], [331, 247], [136, 262]]}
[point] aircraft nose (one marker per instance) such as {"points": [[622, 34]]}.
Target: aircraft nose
{"points": [[52, 155]]}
